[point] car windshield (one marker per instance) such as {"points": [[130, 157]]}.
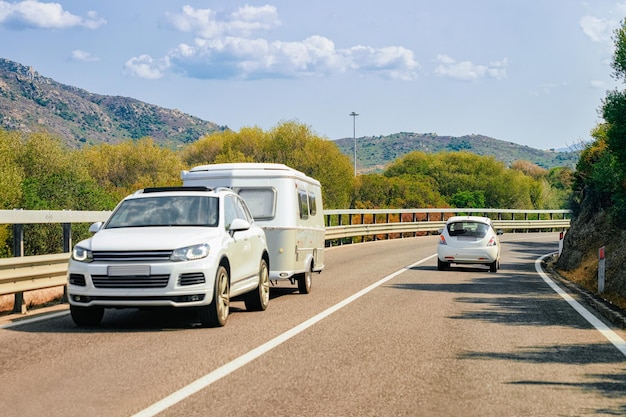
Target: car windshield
{"points": [[166, 211], [468, 229]]}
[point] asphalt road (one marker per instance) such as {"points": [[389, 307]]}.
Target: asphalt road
{"points": [[383, 333]]}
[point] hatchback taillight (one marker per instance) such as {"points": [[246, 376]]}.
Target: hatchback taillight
{"points": [[442, 240], [492, 241]]}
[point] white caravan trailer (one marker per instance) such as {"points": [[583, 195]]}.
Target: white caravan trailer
{"points": [[286, 203]]}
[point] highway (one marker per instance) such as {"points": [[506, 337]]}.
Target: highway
{"points": [[383, 333]]}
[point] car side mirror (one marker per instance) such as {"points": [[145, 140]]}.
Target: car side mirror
{"points": [[95, 227], [500, 232], [440, 231], [238, 225]]}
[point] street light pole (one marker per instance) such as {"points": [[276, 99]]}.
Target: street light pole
{"points": [[354, 115]]}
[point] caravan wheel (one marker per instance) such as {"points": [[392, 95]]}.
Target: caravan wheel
{"points": [[304, 281]]}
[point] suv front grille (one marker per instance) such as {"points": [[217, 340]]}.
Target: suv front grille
{"points": [[142, 256], [131, 281]]}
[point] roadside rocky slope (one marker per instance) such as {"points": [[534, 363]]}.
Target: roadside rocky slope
{"points": [[591, 230]]}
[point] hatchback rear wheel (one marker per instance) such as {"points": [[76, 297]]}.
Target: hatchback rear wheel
{"points": [[442, 265], [493, 267]]}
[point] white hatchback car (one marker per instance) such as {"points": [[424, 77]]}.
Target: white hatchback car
{"points": [[171, 246], [469, 240]]}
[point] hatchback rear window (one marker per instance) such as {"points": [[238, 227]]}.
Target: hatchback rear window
{"points": [[469, 229]]}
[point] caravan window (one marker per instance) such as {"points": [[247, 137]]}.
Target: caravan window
{"points": [[303, 204], [260, 201], [312, 204]]}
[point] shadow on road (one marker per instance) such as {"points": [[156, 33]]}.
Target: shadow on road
{"points": [[609, 385], [145, 320]]}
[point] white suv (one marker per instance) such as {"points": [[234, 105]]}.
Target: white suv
{"points": [[171, 246]]}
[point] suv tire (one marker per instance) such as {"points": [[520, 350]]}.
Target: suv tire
{"points": [[259, 298], [216, 313], [86, 316]]}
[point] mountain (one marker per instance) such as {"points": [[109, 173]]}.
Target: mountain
{"points": [[375, 152], [30, 102]]}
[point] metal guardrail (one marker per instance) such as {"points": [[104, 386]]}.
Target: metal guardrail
{"points": [[32, 273], [355, 230], [27, 273]]}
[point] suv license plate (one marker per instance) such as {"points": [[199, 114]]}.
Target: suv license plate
{"points": [[126, 270]]}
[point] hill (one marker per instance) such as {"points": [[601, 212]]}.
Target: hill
{"points": [[30, 102], [375, 152]]}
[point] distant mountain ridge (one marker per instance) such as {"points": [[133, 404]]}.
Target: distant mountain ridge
{"points": [[30, 102], [376, 152]]}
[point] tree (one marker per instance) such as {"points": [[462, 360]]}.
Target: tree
{"points": [[614, 105], [596, 173], [529, 168], [11, 172], [289, 143], [247, 145], [375, 191], [601, 170], [51, 177], [468, 199], [11, 177], [124, 168], [465, 178]]}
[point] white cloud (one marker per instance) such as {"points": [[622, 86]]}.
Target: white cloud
{"points": [[393, 62], [468, 71], [597, 29], [32, 14], [236, 57], [205, 23], [145, 66], [225, 48], [80, 55]]}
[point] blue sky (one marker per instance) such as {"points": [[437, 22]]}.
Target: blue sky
{"points": [[529, 72]]}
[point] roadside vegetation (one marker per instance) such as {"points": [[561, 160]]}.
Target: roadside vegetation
{"points": [[599, 195], [39, 172]]}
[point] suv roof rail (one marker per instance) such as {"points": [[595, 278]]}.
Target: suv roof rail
{"points": [[223, 188], [183, 188]]}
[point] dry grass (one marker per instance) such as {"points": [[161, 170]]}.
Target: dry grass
{"points": [[586, 276], [32, 299]]}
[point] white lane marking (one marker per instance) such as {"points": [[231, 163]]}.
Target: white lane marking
{"points": [[612, 337], [239, 362]]}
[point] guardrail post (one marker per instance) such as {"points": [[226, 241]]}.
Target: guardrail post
{"points": [[340, 223], [67, 247], [387, 221], [374, 222], [363, 222], [67, 237], [18, 250]]}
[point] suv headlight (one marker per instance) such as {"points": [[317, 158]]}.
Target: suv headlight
{"points": [[190, 253], [81, 254]]}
